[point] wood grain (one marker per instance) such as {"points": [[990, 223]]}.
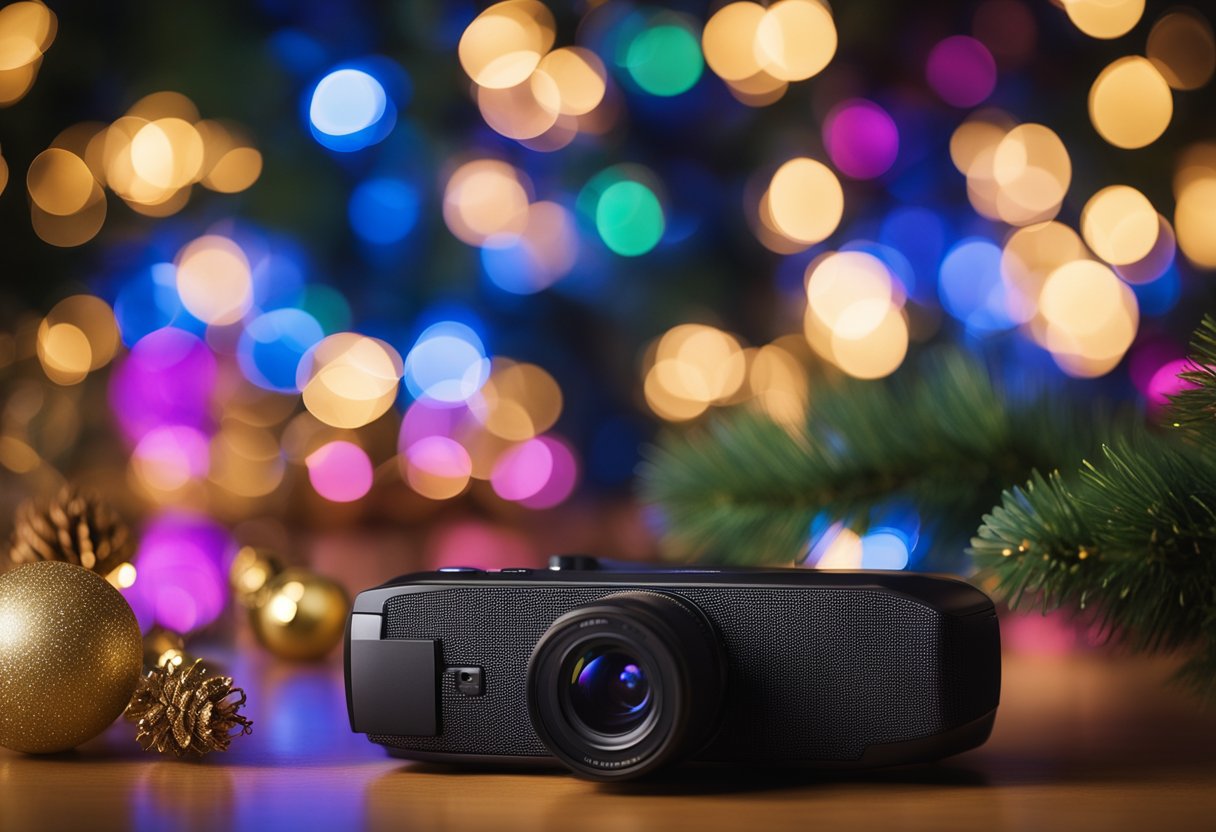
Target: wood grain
{"points": [[1085, 742]]}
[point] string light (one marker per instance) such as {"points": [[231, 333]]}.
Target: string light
{"points": [[1104, 19], [805, 201], [1119, 224], [1183, 49], [1130, 103]]}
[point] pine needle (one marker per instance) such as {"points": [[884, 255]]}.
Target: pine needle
{"points": [[1131, 538], [938, 436]]}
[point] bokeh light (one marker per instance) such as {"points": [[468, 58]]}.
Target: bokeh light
{"points": [[1029, 256], [27, 30], [1091, 318], [1120, 225], [349, 380], [1183, 49], [795, 40], [59, 182], [961, 71], [166, 379], [778, 383], [854, 316], [272, 345], [349, 110], [383, 210], [1032, 170], [518, 401], [169, 457], [182, 564], [729, 41], [805, 201], [563, 475], [542, 253], [340, 471], [1104, 19], [79, 335], [483, 198], [580, 78], [447, 363], [1156, 262], [971, 287], [861, 138], [522, 471], [437, 467], [1130, 103], [214, 280], [693, 366], [503, 45], [665, 59], [629, 217], [835, 546], [1195, 204]]}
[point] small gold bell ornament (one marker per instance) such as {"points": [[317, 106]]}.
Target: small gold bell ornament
{"points": [[299, 615], [70, 656]]}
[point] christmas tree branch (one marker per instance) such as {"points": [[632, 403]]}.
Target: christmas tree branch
{"points": [[939, 435], [1132, 538]]}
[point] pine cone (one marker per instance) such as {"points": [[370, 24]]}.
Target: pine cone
{"points": [[77, 528], [181, 709]]}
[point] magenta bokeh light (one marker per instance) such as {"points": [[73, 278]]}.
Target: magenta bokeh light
{"points": [[340, 471], [441, 457], [563, 475], [523, 470], [861, 138], [166, 379], [425, 418], [1167, 382], [181, 568], [961, 70]]}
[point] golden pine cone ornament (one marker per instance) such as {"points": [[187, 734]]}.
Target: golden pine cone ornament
{"points": [[182, 709], [75, 527]]}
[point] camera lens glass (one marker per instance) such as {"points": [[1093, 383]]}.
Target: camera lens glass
{"points": [[609, 690]]}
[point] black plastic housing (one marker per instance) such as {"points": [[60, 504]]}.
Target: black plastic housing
{"points": [[824, 669]]}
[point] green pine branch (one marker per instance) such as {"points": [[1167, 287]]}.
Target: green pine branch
{"points": [[1131, 538], [938, 435]]}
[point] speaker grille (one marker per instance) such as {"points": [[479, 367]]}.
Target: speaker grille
{"points": [[813, 674]]}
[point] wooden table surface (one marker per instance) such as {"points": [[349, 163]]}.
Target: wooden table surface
{"points": [[1081, 742]]}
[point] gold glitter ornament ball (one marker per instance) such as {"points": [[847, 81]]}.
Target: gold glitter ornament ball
{"points": [[300, 615], [70, 656]]}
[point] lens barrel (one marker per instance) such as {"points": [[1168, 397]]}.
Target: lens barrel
{"points": [[622, 686]]}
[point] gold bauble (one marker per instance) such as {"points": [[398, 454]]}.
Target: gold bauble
{"points": [[300, 615], [161, 646], [70, 656], [251, 570]]}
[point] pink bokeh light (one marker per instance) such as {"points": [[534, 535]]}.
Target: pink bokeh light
{"points": [[340, 471], [861, 138], [425, 418], [523, 470], [563, 475], [181, 570], [961, 71], [440, 456], [166, 379], [1167, 382]]}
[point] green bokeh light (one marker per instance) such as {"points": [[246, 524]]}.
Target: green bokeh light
{"points": [[665, 60], [629, 218]]}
